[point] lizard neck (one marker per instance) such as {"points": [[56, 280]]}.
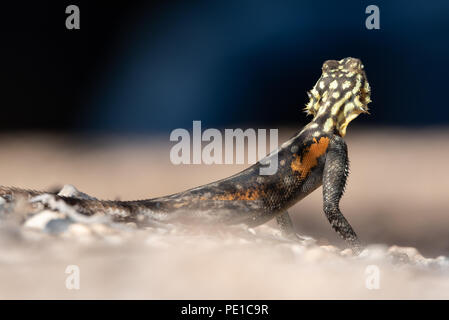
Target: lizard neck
{"points": [[328, 119], [325, 121], [334, 111]]}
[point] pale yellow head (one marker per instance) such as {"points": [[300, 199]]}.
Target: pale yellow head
{"points": [[340, 95]]}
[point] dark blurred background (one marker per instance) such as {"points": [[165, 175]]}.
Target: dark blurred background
{"points": [[150, 67]]}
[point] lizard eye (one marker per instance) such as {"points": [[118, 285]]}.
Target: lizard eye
{"points": [[330, 65]]}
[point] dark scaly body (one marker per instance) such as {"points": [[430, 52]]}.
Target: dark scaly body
{"points": [[246, 197], [315, 156]]}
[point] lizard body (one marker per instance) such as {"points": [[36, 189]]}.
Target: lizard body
{"points": [[315, 156]]}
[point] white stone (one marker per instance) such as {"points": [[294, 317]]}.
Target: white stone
{"points": [[40, 220]]}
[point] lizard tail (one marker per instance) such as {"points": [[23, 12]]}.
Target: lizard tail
{"points": [[11, 193]]}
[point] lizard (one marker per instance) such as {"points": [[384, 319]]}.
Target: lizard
{"points": [[315, 156]]}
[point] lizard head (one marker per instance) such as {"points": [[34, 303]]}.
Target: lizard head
{"points": [[340, 95]]}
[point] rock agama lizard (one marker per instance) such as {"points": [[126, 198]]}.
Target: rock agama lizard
{"points": [[315, 156]]}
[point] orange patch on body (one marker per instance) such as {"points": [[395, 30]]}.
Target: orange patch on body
{"points": [[243, 195], [310, 157]]}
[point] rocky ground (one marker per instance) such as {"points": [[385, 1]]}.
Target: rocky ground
{"points": [[397, 200]]}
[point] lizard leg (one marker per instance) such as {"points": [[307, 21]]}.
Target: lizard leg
{"points": [[336, 170], [285, 224]]}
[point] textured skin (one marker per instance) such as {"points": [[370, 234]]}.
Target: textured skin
{"points": [[285, 224], [315, 156], [336, 170]]}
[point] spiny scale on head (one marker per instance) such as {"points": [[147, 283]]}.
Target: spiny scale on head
{"points": [[340, 95]]}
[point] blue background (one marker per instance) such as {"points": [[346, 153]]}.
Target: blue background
{"points": [[155, 66]]}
